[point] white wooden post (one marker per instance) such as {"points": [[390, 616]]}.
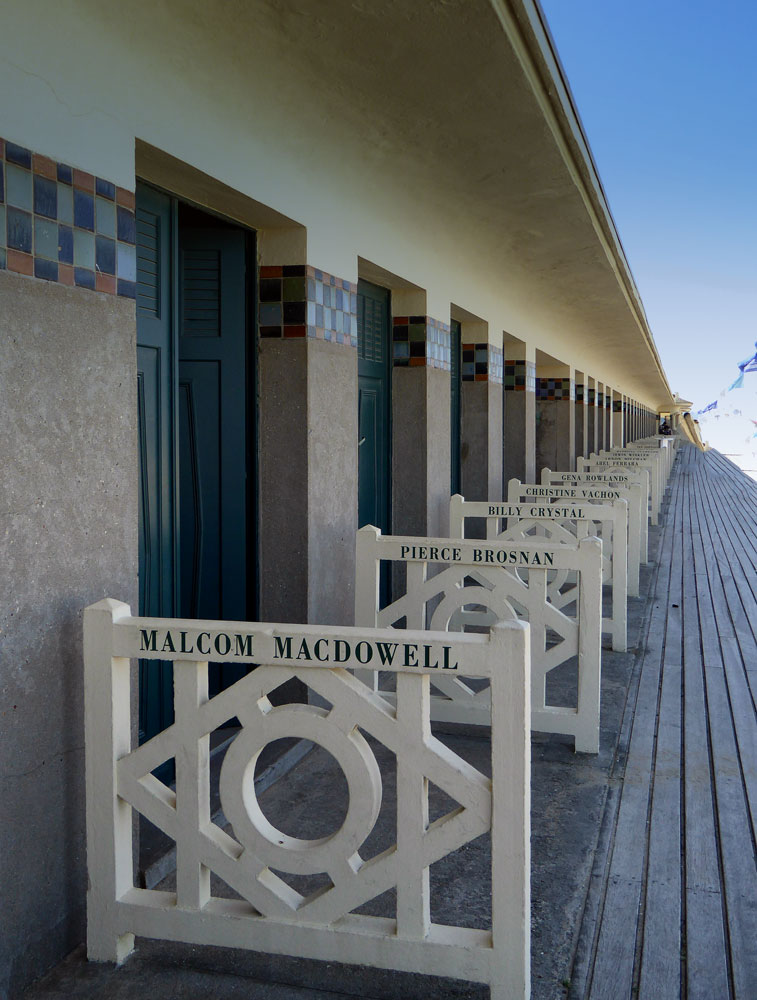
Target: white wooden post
{"points": [[511, 812], [107, 737], [589, 652]]}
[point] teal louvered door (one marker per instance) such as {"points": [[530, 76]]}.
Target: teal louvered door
{"points": [[195, 431], [156, 432], [455, 411], [212, 430], [374, 396]]}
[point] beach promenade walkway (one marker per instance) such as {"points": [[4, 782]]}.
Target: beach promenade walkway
{"points": [[672, 908]]}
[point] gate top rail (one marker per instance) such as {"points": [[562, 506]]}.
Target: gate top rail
{"points": [[301, 646]]}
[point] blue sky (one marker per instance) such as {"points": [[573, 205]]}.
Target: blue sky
{"points": [[667, 93]]}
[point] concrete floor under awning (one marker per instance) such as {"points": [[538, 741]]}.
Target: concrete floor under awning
{"points": [[581, 810]]}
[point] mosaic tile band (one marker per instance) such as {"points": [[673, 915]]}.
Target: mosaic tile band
{"points": [[298, 300], [555, 389], [65, 225], [617, 406], [483, 363], [580, 398], [421, 341], [519, 376], [592, 397]]}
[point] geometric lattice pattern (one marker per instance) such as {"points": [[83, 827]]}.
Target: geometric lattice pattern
{"points": [[465, 595], [269, 870]]}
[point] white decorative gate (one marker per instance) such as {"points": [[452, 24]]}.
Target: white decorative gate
{"points": [[456, 584], [632, 489], [560, 523], [268, 913], [636, 481], [616, 463]]}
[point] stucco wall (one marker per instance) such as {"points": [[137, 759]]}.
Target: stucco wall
{"points": [[68, 537]]}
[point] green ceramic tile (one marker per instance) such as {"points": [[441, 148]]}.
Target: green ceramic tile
{"points": [[84, 249], [18, 183], [2, 226], [294, 289], [65, 204], [105, 216], [45, 238]]}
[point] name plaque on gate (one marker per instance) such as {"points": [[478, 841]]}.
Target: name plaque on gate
{"points": [[309, 646]]}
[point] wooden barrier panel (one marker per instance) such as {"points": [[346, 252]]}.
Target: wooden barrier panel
{"points": [[636, 483], [617, 464], [558, 524], [457, 584], [597, 495], [268, 914]]}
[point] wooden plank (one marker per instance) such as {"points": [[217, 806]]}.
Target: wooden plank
{"points": [[734, 821], [661, 946], [613, 971], [706, 962]]}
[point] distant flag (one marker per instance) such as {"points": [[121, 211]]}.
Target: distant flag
{"points": [[712, 406], [738, 384]]}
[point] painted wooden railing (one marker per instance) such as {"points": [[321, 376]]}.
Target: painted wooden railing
{"points": [[456, 584], [269, 915], [535, 495], [635, 481], [610, 464], [513, 521]]}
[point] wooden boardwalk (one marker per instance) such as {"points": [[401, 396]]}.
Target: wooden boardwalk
{"points": [[672, 912]]}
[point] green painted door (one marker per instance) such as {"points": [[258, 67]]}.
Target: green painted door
{"points": [[156, 371], [212, 430], [374, 399], [195, 429], [456, 375]]}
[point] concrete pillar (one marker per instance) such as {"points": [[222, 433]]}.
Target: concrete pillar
{"points": [[600, 409], [616, 427], [420, 423], [519, 402], [607, 418], [482, 447], [555, 418], [308, 413], [594, 415], [582, 410]]}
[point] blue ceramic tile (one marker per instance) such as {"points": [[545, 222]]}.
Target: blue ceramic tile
{"points": [[127, 226], [46, 239], [2, 182], [127, 288], [126, 261], [17, 154], [84, 249], [84, 277], [2, 225], [105, 217], [65, 174], [19, 187], [19, 230], [84, 210], [65, 245], [65, 204], [45, 197], [105, 255], [47, 269], [3, 260], [270, 313], [105, 188]]}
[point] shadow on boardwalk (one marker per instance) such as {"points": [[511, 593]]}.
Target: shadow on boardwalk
{"points": [[643, 876]]}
